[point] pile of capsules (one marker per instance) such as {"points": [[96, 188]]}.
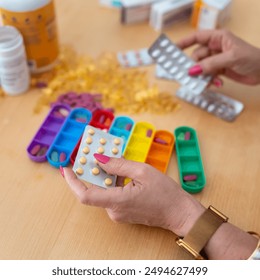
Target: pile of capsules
{"points": [[123, 89], [72, 135]]}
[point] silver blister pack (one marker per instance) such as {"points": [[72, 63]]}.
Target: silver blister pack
{"points": [[176, 63], [214, 103]]}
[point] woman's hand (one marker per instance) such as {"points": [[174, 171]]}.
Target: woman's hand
{"points": [[151, 198], [221, 52]]}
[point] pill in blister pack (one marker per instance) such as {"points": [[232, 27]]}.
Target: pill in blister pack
{"points": [[176, 63], [94, 141], [217, 104], [134, 58]]}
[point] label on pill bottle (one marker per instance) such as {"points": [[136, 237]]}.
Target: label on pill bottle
{"points": [[208, 18], [39, 31]]}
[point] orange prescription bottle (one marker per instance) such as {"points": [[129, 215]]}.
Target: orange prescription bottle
{"points": [[35, 19], [195, 13]]}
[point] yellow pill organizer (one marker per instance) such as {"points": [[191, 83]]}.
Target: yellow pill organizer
{"points": [[139, 143]]}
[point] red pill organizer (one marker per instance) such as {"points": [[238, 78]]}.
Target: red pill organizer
{"points": [[191, 171]]}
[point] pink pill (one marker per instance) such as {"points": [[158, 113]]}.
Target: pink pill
{"points": [[190, 177], [35, 149], [42, 151], [62, 157], [82, 120], [187, 135], [149, 133], [160, 141], [128, 126]]}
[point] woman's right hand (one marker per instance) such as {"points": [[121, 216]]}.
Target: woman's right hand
{"points": [[220, 52]]}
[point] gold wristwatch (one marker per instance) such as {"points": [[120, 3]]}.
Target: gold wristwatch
{"points": [[201, 232]]}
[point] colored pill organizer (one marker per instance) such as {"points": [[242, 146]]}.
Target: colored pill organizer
{"points": [[161, 149], [60, 136], [95, 140], [139, 142], [191, 171], [122, 127], [47, 132], [176, 63], [64, 143], [101, 119]]}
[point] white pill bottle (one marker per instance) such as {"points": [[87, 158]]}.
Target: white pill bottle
{"points": [[14, 72], [36, 21]]}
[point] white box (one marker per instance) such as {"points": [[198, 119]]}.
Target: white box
{"points": [[134, 11], [214, 13], [166, 13]]}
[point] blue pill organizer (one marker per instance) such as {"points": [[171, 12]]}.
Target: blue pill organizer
{"points": [[64, 143]]}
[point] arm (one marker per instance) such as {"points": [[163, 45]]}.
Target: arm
{"points": [[157, 200]]}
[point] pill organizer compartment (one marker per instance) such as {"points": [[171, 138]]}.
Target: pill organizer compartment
{"points": [[122, 126], [139, 143], [101, 119], [160, 151], [47, 132], [189, 159], [68, 137]]}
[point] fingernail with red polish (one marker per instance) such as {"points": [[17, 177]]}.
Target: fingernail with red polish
{"points": [[102, 158], [61, 171], [195, 70], [218, 83]]}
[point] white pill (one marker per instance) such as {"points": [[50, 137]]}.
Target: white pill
{"points": [[155, 53], [181, 59], [174, 70], [179, 75], [170, 49], [186, 80], [164, 43], [167, 64], [161, 59], [211, 108], [176, 54]]}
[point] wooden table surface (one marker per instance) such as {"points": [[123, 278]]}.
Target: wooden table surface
{"points": [[39, 216]]}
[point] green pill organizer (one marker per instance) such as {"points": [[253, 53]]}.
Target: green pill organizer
{"points": [[191, 171]]}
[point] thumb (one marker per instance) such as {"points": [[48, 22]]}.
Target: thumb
{"points": [[216, 63], [121, 166]]}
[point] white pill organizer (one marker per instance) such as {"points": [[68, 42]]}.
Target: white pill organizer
{"points": [[177, 64], [94, 140]]}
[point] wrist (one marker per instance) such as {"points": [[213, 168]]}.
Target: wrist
{"points": [[185, 214]]}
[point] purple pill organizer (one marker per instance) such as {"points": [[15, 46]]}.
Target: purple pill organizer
{"points": [[44, 137]]}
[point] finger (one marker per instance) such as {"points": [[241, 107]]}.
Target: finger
{"points": [[213, 64], [241, 78], [216, 81], [200, 53], [122, 167], [94, 196], [202, 37]]}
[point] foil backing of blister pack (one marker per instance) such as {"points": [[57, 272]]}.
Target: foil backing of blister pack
{"points": [[176, 63], [214, 103]]}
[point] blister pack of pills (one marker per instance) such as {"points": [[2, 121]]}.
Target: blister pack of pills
{"points": [[94, 141], [175, 62], [135, 58], [214, 103]]}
